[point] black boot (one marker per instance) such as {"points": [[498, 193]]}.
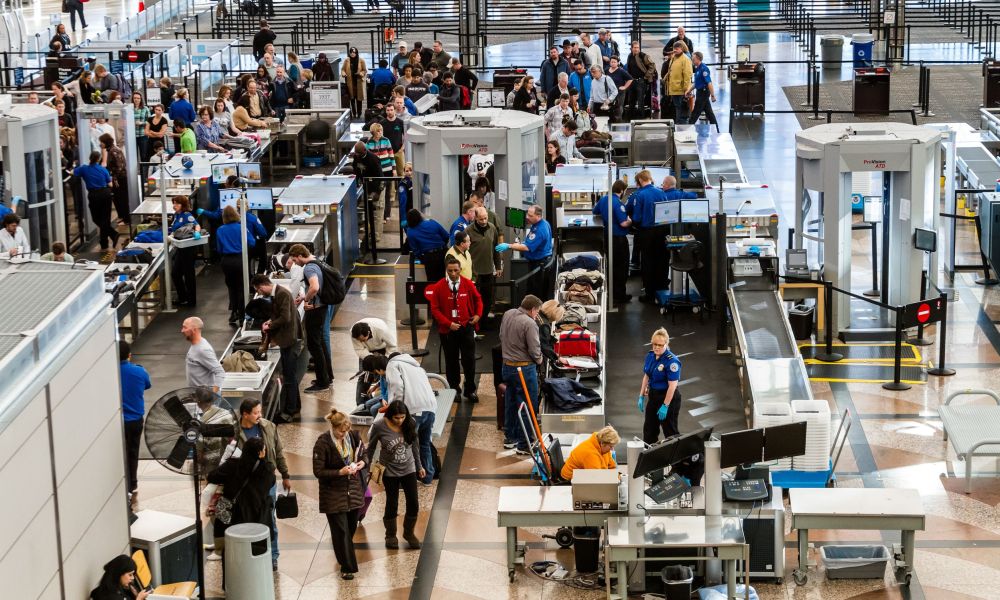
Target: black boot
{"points": [[411, 538], [390, 533]]}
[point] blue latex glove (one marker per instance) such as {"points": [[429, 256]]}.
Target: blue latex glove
{"points": [[662, 413], [197, 235], [642, 403], [199, 211], [404, 224], [502, 247]]}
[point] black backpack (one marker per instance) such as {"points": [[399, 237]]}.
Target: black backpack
{"points": [[333, 290]]}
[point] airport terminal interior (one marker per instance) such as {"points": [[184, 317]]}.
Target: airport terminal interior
{"points": [[773, 373]]}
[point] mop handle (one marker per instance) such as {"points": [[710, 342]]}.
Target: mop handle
{"points": [[534, 421]]}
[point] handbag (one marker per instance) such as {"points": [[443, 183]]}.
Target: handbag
{"points": [[224, 506], [286, 506], [377, 470]]}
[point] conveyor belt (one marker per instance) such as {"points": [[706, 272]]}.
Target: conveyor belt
{"points": [[763, 323], [862, 373], [864, 352]]}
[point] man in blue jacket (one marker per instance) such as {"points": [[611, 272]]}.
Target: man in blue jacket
{"points": [[580, 79], [134, 381]]}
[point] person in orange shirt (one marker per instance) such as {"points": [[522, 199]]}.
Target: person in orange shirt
{"points": [[594, 453]]}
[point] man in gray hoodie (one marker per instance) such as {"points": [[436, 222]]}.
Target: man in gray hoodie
{"points": [[406, 380]]}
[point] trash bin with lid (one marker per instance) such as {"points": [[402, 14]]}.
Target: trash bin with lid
{"points": [[863, 44], [248, 562], [800, 319], [831, 50], [677, 582], [587, 548]]}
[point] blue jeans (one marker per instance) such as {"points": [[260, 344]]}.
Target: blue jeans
{"points": [[274, 523], [425, 423], [514, 398]]}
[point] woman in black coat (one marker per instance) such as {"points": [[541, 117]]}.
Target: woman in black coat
{"points": [[524, 98], [338, 460], [118, 581], [247, 483]]}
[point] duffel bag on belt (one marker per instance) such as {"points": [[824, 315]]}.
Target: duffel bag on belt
{"points": [[578, 342]]}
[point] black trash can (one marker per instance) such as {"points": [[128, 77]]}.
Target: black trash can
{"points": [[800, 318], [677, 582], [587, 548]]}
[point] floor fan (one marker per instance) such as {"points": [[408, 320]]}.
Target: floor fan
{"points": [[186, 431]]}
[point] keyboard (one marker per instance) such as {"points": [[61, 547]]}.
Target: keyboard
{"points": [[744, 490], [680, 239], [667, 489]]}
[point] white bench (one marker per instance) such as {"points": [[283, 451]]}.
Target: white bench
{"points": [[974, 430]]}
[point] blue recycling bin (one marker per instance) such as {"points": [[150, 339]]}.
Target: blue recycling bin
{"points": [[862, 47]]}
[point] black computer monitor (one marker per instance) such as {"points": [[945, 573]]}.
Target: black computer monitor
{"points": [[667, 213], [785, 441], [689, 444], [249, 171], [257, 198], [925, 239], [228, 197], [742, 447], [222, 171], [694, 211], [656, 457], [516, 217]]}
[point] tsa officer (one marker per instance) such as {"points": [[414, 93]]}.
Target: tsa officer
{"points": [[619, 230], [537, 250], [649, 238], [703, 91], [659, 398]]}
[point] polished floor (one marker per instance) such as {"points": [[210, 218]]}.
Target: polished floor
{"points": [[897, 439]]}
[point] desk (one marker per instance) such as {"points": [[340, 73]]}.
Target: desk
{"points": [[627, 537], [288, 133], [524, 506], [865, 508], [807, 289]]}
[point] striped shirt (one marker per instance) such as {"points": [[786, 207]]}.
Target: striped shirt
{"points": [[383, 150]]}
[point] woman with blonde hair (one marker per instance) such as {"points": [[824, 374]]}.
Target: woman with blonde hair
{"points": [[338, 460], [594, 453], [659, 398]]}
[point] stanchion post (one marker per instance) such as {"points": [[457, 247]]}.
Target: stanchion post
{"points": [[942, 338], [897, 366], [828, 355], [920, 340]]}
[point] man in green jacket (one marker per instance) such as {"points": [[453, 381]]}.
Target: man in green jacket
{"points": [[188, 141]]}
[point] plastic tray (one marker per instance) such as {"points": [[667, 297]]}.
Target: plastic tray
{"points": [[854, 562], [803, 479]]}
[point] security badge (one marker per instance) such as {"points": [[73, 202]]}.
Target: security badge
{"points": [[531, 236], [673, 367], [659, 367]]}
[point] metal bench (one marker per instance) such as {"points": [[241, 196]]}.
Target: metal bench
{"points": [[974, 430]]}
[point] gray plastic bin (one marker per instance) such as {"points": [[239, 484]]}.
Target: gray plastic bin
{"points": [[831, 51], [854, 562], [248, 562]]}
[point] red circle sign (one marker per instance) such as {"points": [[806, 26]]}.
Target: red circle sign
{"points": [[923, 313], [133, 56]]}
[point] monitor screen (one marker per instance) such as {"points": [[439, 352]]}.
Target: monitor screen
{"points": [[785, 441], [872, 206], [250, 172], [257, 198], [656, 457], [667, 213], [743, 53], [627, 174], [925, 239], [516, 217], [797, 258], [742, 447], [222, 171], [694, 211]]}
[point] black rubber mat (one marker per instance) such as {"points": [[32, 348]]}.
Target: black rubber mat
{"points": [[862, 373], [864, 352]]}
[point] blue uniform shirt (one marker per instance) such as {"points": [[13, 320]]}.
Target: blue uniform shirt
{"points": [[254, 225], [620, 215], [661, 372], [4, 211], [539, 241], [702, 77], [429, 235], [95, 176], [643, 202], [382, 77], [676, 194], [181, 219], [228, 237], [135, 381], [460, 224]]}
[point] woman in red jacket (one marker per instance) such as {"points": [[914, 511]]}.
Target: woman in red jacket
{"points": [[457, 307]]}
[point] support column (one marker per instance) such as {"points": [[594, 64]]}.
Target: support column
{"points": [[469, 36]]}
